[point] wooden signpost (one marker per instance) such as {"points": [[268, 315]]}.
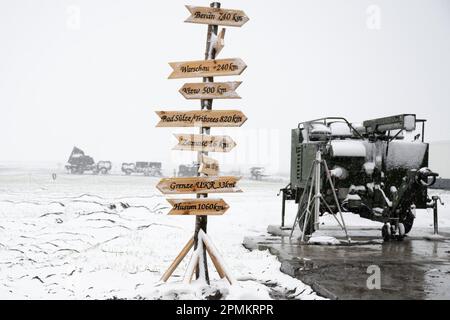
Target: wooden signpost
{"points": [[207, 68], [208, 179], [211, 90], [203, 118], [204, 143]]}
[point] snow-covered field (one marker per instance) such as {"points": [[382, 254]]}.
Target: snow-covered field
{"points": [[100, 237]]}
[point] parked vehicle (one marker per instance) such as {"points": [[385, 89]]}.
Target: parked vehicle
{"points": [[79, 163], [153, 169]]}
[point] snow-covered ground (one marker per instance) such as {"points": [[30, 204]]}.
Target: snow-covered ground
{"points": [[100, 237]]}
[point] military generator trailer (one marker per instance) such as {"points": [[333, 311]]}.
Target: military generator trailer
{"points": [[79, 163], [153, 169], [378, 170]]}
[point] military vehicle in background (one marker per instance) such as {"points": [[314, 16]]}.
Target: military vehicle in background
{"points": [[257, 173], [79, 163], [153, 169], [189, 170], [378, 170]]}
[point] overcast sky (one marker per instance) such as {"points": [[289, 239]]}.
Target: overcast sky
{"points": [[96, 84]]}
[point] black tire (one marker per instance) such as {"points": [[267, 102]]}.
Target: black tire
{"points": [[386, 232], [103, 171], [408, 222]]}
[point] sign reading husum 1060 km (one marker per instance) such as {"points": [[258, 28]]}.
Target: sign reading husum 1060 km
{"points": [[207, 68], [201, 118], [195, 207]]}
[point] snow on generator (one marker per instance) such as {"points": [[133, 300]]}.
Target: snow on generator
{"points": [[147, 168], [378, 170], [78, 163]]}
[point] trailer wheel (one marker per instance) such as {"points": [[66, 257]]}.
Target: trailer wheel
{"points": [[401, 231], [386, 232], [408, 222]]}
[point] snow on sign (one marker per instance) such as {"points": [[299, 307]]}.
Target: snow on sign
{"points": [[203, 118], [223, 184], [207, 180], [207, 68], [217, 16], [204, 143], [191, 207], [211, 90]]}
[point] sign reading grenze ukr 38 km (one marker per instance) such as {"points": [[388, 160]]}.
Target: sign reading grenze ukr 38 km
{"points": [[201, 118], [207, 68], [223, 184]]}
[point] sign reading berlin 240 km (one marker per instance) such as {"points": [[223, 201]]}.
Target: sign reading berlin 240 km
{"points": [[201, 118], [217, 16]]}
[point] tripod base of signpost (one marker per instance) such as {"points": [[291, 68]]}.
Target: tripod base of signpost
{"points": [[204, 243]]}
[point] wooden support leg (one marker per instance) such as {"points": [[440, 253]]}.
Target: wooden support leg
{"points": [[177, 260], [215, 256]]}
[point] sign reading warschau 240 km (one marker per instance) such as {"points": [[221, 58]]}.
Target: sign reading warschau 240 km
{"points": [[207, 68], [217, 16], [201, 118]]}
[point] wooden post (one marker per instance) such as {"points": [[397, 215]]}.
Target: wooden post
{"points": [[201, 222]]}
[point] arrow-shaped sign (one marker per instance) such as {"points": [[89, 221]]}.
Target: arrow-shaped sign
{"points": [[203, 118], [204, 143], [217, 16], [211, 90], [198, 207], [209, 166], [225, 184], [207, 68]]}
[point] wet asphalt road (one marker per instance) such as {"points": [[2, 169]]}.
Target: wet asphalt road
{"points": [[415, 268]]}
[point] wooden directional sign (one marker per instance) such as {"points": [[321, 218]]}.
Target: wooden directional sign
{"points": [[225, 184], [217, 16], [203, 118], [198, 207], [204, 143], [209, 166], [207, 68], [211, 90]]}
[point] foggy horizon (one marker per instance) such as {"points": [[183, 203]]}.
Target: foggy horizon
{"points": [[96, 82]]}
